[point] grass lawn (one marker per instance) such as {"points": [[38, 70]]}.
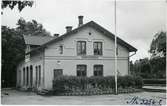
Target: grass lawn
{"points": [[11, 96]]}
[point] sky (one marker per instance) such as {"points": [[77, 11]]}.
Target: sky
{"points": [[137, 20]]}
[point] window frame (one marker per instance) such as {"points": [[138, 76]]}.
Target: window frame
{"points": [[82, 52], [82, 73], [101, 49], [98, 72]]}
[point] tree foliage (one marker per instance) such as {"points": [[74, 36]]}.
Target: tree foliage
{"points": [[12, 52], [31, 28], [155, 67], [11, 4], [158, 67], [13, 47], [150, 68], [158, 45]]}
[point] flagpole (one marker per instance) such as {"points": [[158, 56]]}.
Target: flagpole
{"points": [[115, 50]]}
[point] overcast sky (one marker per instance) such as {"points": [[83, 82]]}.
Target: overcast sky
{"points": [[137, 20]]}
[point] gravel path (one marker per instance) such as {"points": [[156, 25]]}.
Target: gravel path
{"points": [[9, 96]]}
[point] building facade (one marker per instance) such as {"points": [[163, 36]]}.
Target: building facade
{"points": [[87, 50]]}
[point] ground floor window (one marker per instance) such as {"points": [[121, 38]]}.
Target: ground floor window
{"points": [[57, 72], [81, 70], [98, 70]]}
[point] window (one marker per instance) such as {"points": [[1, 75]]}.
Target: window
{"points": [[81, 70], [58, 72], [97, 48], [98, 70], [81, 47], [61, 49]]}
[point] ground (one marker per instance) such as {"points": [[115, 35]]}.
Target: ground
{"points": [[12, 96]]}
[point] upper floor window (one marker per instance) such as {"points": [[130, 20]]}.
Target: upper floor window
{"points": [[98, 70], [81, 47], [81, 70], [61, 49], [97, 48]]}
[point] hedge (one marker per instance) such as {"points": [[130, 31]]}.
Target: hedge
{"points": [[154, 81], [67, 84]]}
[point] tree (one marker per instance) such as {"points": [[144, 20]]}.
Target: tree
{"points": [[158, 45], [11, 4], [13, 47], [158, 67], [155, 67], [12, 52], [31, 28], [142, 67]]}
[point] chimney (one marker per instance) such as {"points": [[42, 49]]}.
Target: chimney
{"points": [[56, 35], [80, 19], [68, 29]]}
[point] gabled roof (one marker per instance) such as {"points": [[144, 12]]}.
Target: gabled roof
{"points": [[96, 27], [36, 40]]}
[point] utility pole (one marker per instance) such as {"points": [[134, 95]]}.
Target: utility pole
{"points": [[116, 52]]}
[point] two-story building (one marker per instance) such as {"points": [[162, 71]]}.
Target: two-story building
{"points": [[87, 50]]}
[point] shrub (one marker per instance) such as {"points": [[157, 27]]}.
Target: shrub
{"points": [[74, 83], [138, 81]]}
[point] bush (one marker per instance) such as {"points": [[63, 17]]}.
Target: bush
{"points": [[138, 81], [126, 81], [73, 83]]}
